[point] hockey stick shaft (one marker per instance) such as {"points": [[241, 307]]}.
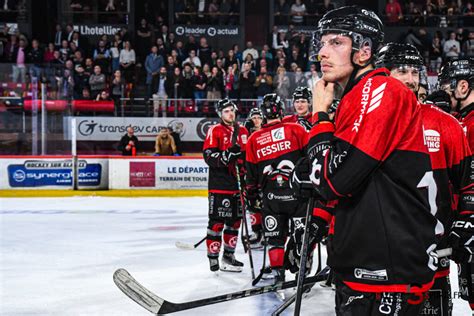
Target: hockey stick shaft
{"points": [[244, 221], [304, 256], [200, 242], [260, 275], [158, 306]]}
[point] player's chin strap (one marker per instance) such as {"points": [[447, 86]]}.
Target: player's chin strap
{"points": [[352, 79]]}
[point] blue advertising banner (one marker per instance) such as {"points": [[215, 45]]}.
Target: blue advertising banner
{"points": [[37, 173]]}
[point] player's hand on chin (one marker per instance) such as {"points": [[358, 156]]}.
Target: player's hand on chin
{"points": [[323, 96]]}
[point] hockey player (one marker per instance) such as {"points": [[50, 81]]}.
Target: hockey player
{"points": [[224, 147], [373, 161], [252, 124], [302, 105], [271, 155], [254, 120], [450, 160], [457, 79]]}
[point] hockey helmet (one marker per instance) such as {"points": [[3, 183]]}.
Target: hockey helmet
{"points": [[224, 103], [395, 55], [272, 106]]}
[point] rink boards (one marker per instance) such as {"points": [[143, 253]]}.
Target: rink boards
{"points": [[104, 175]]}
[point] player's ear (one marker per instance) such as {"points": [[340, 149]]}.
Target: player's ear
{"points": [[363, 55]]}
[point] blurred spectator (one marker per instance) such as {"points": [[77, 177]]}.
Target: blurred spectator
{"points": [[161, 47], [179, 7], [451, 47], [250, 60], [102, 56], [250, 50], [153, 63], [170, 65], [281, 83], [206, 70], [231, 59], [97, 81], [89, 68], [103, 96], [393, 12], [266, 54], [59, 36], [180, 52], [127, 61], [10, 48], [296, 58], [199, 81], [215, 84], [165, 88], [115, 55], [193, 60], [66, 80], [281, 63], [213, 11], [231, 82], [435, 54], [191, 44], [187, 87], [117, 88], [128, 143], [69, 32], [204, 51], [76, 39], [298, 12], [281, 42], [35, 56], [263, 83], [282, 11], [49, 53], [326, 6], [299, 80], [81, 81], [64, 50], [19, 60], [165, 144], [468, 47], [163, 34], [86, 95], [177, 81], [237, 53], [143, 39], [468, 14], [247, 82]]}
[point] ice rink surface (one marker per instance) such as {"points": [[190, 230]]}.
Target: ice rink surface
{"points": [[58, 256]]}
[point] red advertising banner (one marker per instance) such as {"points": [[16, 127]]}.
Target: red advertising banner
{"points": [[142, 174]]}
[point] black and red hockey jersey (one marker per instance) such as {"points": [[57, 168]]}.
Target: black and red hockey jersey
{"points": [[222, 178], [450, 160], [305, 121], [275, 146], [374, 161], [466, 117]]}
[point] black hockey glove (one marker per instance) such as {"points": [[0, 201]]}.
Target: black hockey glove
{"points": [[299, 180], [461, 239], [305, 123], [231, 154], [249, 125], [317, 231]]}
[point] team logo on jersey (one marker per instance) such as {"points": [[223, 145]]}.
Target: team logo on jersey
{"points": [[226, 203], [278, 134], [215, 247], [233, 241], [270, 223], [432, 140], [253, 219]]}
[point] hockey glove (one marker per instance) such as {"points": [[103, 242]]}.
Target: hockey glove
{"points": [[231, 154], [461, 239], [299, 180], [305, 123]]}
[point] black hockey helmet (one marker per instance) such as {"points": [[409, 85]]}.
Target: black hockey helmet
{"points": [[395, 55], [254, 111], [302, 93], [272, 106], [363, 26], [455, 70], [441, 99], [224, 103]]}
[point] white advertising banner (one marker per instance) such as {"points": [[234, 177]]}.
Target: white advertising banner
{"points": [[191, 129], [179, 173]]}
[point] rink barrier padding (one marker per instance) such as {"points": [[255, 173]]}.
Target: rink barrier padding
{"points": [[103, 193]]}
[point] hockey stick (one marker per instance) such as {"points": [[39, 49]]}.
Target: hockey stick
{"points": [[259, 276], [183, 245], [159, 306], [303, 256], [244, 221]]}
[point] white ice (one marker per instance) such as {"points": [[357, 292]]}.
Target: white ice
{"points": [[57, 257]]}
